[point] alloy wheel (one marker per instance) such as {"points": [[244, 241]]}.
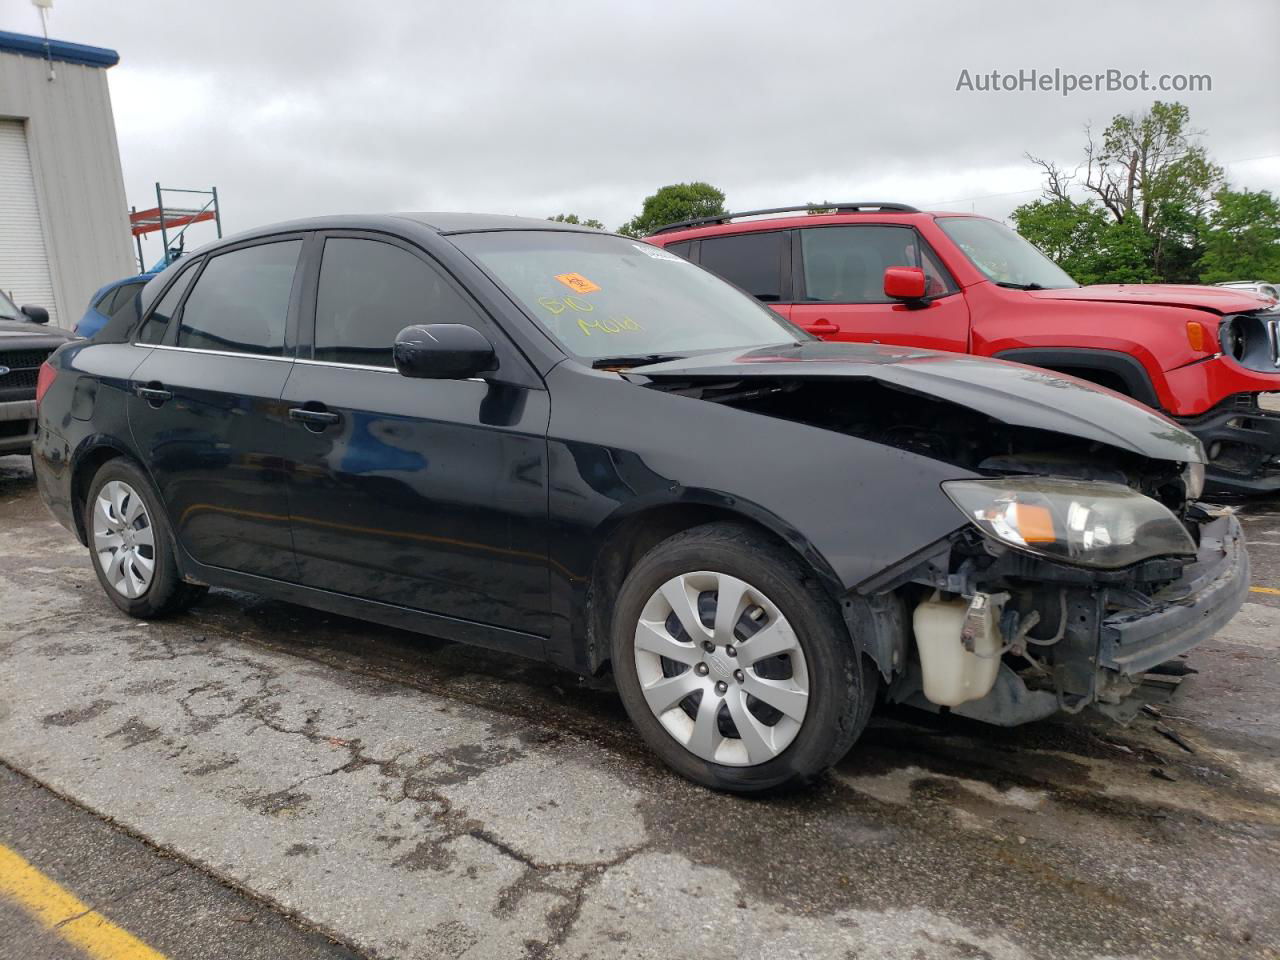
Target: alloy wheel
{"points": [[721, 668], [124, 539]]}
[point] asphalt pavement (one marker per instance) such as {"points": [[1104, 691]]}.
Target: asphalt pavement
{"points": [[255, 776]]}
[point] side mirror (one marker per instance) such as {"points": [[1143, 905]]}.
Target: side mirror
{"points": [[904, 283], [443, 351], [36, 314]]}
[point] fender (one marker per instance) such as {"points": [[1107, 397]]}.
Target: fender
{"points": [[1128, 368]]}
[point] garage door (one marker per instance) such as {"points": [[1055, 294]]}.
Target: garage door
{"points": [[24, 262]]}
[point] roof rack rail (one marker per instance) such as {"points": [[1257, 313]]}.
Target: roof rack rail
{"points": [[858, 207]]}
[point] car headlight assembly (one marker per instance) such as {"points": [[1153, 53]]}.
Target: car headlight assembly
{"points": [[1091, 524], [1193, 476]]}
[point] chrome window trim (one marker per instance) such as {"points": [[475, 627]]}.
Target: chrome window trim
{"points": [[263, 356], [348, 366], [215, 353]]}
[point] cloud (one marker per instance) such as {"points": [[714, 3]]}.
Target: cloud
{"points": [[301, 108]]}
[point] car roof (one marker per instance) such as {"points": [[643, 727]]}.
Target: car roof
{"points": [[728, 225], [446, 222], [439, 222]]}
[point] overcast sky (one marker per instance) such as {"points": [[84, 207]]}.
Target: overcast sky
{"points": [[297, 108]]}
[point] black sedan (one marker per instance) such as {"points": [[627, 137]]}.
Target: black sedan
{"points": [[570, 445]]}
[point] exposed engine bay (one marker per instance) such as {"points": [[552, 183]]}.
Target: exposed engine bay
{"points": [[944, 431]]}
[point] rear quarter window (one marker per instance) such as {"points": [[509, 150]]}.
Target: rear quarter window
{"points": [[153, 331], [750, 261]]}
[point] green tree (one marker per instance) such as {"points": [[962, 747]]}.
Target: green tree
{"points": [[1149, 175], [1069, 233], [1085, 242], [676, 201], [1241, 237], [573, 218]]}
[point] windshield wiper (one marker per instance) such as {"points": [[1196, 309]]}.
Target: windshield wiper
{"points": [[633, 360], [1019, 286]]}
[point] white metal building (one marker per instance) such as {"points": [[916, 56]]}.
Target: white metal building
{"points": [[64, 225]]}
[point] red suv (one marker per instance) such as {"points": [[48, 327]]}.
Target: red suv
{"points": [[888, 273]]}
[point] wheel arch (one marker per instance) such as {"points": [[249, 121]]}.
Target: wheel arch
{"points": [[629, 534], [89, 459], [1107, 368]]}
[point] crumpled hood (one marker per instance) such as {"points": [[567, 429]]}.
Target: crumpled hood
{"points": [[1221, 300], [1011, 393]]}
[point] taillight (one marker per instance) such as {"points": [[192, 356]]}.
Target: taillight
{"points": [[44, 380]]}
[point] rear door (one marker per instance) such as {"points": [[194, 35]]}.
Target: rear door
{"points": [[428, 494], [840, 289], [206, 411]]}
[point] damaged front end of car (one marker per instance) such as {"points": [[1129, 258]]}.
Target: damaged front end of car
{"points": [[1003, 633], [1081, 559]]}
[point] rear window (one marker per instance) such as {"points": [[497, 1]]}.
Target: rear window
{"points": [[241, 302]]}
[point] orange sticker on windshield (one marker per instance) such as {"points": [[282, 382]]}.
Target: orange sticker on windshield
{"points": [[577, 282]]}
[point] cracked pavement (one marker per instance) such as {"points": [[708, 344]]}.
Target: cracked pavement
{"points": [[412, 798]]}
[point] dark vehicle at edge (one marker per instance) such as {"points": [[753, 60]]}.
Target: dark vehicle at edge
{"points": [[25, 343], [568, 445]]}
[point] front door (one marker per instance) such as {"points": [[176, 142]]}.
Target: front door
{"points": [[840, 290], [205, 408], [429, 494]]}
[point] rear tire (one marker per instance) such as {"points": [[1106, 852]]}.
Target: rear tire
{"points": [[131, 545], [691, 690]]}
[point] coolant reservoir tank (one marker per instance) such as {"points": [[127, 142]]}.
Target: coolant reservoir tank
{"points": [[952, 674]]}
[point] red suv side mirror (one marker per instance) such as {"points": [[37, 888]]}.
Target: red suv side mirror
{"points": [[904, 283]]}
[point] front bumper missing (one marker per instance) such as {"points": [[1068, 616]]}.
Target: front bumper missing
{"points": [[1242, 441], [1112, 635], [1186, 613]]}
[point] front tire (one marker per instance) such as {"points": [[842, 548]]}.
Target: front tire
{"points": [[733, 664], [131, 545]]}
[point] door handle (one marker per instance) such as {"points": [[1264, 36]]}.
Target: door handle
{"points": [[153, 393], [314, 419], [820, 327]]}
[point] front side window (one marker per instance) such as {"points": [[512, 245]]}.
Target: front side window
{"points": [[369, 291], [1005, 257], [157, 324], [847, 264], [241, 301], [8, 309], [752, 261], [603, 296]]}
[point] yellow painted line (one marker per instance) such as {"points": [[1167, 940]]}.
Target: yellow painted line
{"points": [[60, 911], [1271, 590]]}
